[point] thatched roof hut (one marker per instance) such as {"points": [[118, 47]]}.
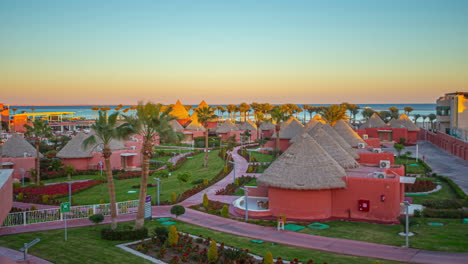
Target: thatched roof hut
{"points": [[374, 121], [304, 166], [248, 125], [18, 147], [347, 147], [346, 132], [202, 104], [74, 148], [176, 126], [290, 129], [267, 125], [403, 122], [226, 127], [179, 111]]}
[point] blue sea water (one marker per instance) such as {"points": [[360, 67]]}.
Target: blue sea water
{"points": [[85, 110]]}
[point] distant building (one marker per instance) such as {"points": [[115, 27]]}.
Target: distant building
{"points": [[452, 114]]}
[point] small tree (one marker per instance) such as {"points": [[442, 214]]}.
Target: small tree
{"points": [[177, 210], [173, 197], [183, 178], [225, 211], [96, 219], [268, 258], [69, 170], [213, 251], [173, 236], [206, 202], [398, 148], [161, 232]]}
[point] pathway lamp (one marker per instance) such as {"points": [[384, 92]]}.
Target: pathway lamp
{"points": [[158, 182], [407, 204], [232, 162], [246, 197]]}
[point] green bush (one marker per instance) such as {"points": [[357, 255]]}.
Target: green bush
{"points": [[97, 218], [161, 232], [199, 181], [127, 233], [16, 185], [446, 204], [444, 213], [225, 211], [460, 193], [177, 210]]}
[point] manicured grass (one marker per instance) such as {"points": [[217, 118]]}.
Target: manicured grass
{"points": [[169, 185], [450, 237], [445, 193], [261, 157], [170, 150], [85, 242], [410, 169], [174, 145], [78, 177]]}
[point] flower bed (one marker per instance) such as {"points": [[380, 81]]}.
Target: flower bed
{"points": [[48, 194], [233, 187], [420, 186], [192, 250], [214, 207]]}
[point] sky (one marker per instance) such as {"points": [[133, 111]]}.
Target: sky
{"points": [[111, 52]]}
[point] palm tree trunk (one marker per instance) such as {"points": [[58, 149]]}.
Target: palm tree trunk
{"points": [[277, 140], [205, 162], [140, 218], [38, 163], [110, 184]]}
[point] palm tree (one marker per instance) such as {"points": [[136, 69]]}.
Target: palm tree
{"points": [[149, 122], [205, 114], [353, 110], [221, 110], [244, 108], [424, 117], [259, 118], [367, 113], [278, 115], [385, 115], [333, 114], [106, 129], [231, 109], [311, 110], [408, 110], [38, 130], [416, 117], [394, 111], [432, 117]]}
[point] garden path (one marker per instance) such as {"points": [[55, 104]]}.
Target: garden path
{"points": [[18, 256]]}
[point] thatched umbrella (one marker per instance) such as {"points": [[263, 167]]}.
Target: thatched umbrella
{"points": [[18, 147], [374, 121], [178, 111], [403, 122], [346, 132], [304, 166], [347, 147]]}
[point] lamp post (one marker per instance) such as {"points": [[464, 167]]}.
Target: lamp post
{"points": [[407, 204], [234, 180], [69, 192], [158, 182], [417, 151], [246, 197]]}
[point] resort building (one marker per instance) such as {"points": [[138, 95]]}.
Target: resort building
{"points": [[18, 155], [289, 129], [307, 182], [6, 193], [347, 133], [267, 129], [251, 127], [452, 114], [125, 155], [228, 129]]}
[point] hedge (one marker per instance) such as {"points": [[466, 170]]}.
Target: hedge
{"points": [[444, 213], [460, 193], [124, 234], [446, 204]]}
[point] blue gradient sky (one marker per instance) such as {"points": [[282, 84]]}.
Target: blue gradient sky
{"points": [[232, 51]]}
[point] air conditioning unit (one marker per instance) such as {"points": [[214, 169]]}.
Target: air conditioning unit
{"points": [[377, 150], [134, 139], [361, 145], [384, 164], [380, 175], [365, 136], [133, 147]]}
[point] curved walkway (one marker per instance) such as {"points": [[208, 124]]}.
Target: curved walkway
{"points": [[19, 256]]}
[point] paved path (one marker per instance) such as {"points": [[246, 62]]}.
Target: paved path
{"points": [[442, 163], [19, 256]]}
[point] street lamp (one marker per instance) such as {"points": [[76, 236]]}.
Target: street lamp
{"points": [[234, 180], [407, 204], [246, 199], [158, 181], [69, 192]]}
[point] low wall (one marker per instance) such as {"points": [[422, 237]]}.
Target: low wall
{"points": [[446, 142], [373, 142], [375, 158]]}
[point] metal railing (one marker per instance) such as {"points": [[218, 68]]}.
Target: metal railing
{"points": [[76, 212]]}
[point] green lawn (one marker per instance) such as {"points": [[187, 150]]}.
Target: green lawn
{"points": [[170, 150], [410, 169], [445, 193], [450, 237], [85, 242], [261, 157], [78, 177], [169, 185], [240, 192]]}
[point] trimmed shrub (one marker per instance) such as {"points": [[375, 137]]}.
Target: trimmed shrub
{"points": [[16, 185], [173, 197], [446, 204], [444, 213], [173, 237], [460, 193], [127, 233], [206, 182], [199, 181], [161, 232], [225, 211], [45, 199], [268, 258], [177, 210], [213, 252], [96, 219], [206, 202]]}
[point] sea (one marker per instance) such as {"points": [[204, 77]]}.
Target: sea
{"points": [[86, 111]]}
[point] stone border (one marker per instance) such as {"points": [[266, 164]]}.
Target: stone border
{"points": [[157, 261], [436, 189]]}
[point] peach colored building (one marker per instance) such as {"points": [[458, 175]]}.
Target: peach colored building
{"points": [[19, 155], [6, 193], [125, 155], [403, 127], [267, 129], [289, 129]]}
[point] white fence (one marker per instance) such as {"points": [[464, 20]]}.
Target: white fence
{"points": [[76, 212]]}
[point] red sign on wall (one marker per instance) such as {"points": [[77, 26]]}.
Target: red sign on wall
{"points": [[364, 205]]}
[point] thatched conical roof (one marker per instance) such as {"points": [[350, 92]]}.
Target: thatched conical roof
{"points": [[226, 127], [179, 111], [346, 132], [176, 126], [304, 166], [290, 129], [202, 105], [374, 121], [248, 125], [312, 122], [74, 148], [194, 124], [267, 125], [16, 147], [347, 147], [403, 122], [333, 148], [319, 119]]}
